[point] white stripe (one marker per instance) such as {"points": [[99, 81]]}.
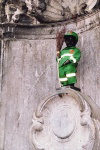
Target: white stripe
{"points": [[66, 55], [71, 75], [72, 58], [63, 79]]}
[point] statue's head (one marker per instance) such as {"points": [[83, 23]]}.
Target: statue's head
{"points": [[71, 38]]}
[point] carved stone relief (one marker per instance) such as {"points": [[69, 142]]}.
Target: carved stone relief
{"points": [[15, 9], [67, 122], [60, 10], [47, 10]]}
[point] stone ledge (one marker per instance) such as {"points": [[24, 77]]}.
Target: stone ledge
{"points": [[48, 31]]}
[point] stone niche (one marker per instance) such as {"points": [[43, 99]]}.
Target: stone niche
{"points": [[69, 121], [28, 74]]}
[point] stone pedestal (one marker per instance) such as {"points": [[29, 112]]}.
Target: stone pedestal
{"points": [[67, 122]]}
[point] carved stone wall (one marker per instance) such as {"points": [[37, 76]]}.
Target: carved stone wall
{"points": [[25, 11], [66, 122], [28, 74]]}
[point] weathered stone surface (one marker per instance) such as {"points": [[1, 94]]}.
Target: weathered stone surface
{"points": [[29, 73], [46, 11], [65, 122], [25, 71]]}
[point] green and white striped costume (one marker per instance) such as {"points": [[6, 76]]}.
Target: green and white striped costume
{"points": [[67, 72]]}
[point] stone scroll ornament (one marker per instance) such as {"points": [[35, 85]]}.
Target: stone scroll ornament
{"points": [[66, 123], [47, 10]]}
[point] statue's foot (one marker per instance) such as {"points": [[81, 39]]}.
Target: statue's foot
{"points": [[75, 88], [67, 86]]}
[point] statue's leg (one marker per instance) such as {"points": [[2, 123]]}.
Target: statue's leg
{"points": [[72, 80], [62, 76], [70, 71]]}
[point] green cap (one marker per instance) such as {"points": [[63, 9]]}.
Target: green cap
{"points": [[73, 34]]}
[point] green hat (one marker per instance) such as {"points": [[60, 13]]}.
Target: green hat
{"points": [[72, 33]]}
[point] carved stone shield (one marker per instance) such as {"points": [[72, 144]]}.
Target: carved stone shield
{"points": [[67, 122]]}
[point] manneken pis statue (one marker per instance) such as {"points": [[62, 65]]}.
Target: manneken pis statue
{"points": [[68, 57]]}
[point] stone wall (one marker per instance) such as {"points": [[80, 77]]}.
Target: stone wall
{"points": [[29, 73]]}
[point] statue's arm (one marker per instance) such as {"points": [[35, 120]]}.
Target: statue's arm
{"points": [[60, 40]]}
